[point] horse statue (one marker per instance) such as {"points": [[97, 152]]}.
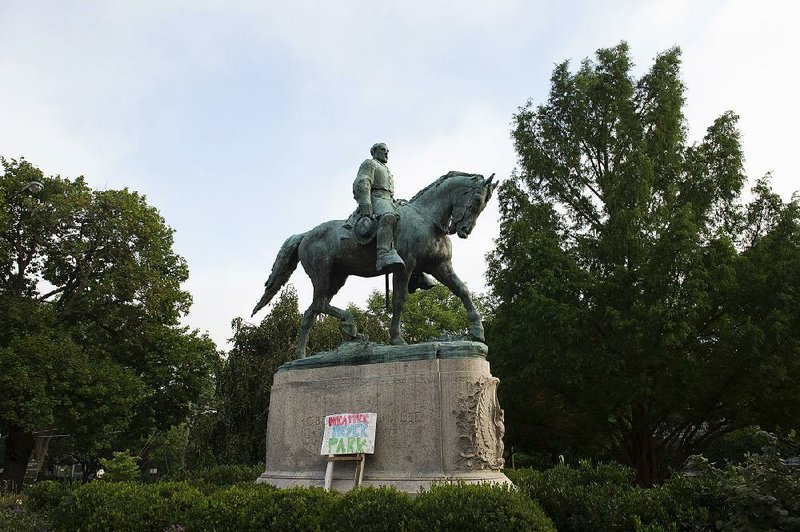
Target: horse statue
{"points": [[329, 254]]}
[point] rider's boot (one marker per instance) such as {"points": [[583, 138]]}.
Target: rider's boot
{"points": [[388, 259], [420, 281]]}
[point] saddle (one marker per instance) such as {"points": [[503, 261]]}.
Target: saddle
{"points": [[362, 229]]}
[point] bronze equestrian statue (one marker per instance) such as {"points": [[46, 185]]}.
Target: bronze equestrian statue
{"points": [[409, 239]]}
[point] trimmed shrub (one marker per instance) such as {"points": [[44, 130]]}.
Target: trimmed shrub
{"points": [[604, 497], [45, 496], [372, 510], [478, 507], [123, 506], [263, 507], [221, 475]]}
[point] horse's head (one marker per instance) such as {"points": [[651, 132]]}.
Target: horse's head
{"points": [[469, 204]]}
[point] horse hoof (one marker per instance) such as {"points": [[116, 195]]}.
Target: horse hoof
{"points": [[349, 330], [399, 341], [476, 332]]}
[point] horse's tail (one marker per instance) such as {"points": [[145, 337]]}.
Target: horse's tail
{"points": [[284, 266]]}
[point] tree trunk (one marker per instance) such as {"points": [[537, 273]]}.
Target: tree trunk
{"points": [[19, 445], [640, 449]]}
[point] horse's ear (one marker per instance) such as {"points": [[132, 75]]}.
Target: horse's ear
{"points": [[491, 186]]}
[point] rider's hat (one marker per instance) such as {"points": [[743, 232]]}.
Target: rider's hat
{"points": [[365, 230]]}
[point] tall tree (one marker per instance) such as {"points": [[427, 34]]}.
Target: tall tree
{"points": [[640, 307], [245, 380], [90, 299]]}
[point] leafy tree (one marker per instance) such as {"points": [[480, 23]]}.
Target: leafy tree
{"points": [[428, 314], [90, 299], [245, 380], [165, 450], [640, 308], [121, 467]]}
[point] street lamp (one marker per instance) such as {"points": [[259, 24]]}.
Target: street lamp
{"points": [[34, 187]]}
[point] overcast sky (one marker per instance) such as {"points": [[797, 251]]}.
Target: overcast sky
{"points": [[237, 118]]}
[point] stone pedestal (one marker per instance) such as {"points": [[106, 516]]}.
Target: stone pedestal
{"points": [[438, 415]]}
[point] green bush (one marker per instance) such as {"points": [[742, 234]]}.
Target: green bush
{"points": [[123, 506], [477, 507], [762, 493], [45, 496], [15, 516], [604, 497], [263, 507], [372, 510], [221, 475]]}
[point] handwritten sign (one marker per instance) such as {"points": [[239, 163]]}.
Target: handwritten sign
{"points": [[349, 434]]}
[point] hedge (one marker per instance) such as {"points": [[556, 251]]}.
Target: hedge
{"points": [[180, 506], [761, 493]]}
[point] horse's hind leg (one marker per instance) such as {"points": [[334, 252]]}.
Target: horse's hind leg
{"points": [[321, 305], [305, 327], [348, 325]]}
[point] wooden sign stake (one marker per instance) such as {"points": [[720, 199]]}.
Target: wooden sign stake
{"points": [[358, 458]]}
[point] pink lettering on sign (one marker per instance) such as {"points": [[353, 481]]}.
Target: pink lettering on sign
{"points": [[346, 419]]}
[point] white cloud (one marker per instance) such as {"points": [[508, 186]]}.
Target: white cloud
{"points": [[237, 117]]}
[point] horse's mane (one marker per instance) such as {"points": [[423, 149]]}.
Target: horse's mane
{"points": [[448, 175]]}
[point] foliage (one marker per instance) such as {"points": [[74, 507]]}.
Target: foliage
{"points": [[137, 506], [235, 433], [530, 460], [245, 379], [221, 475], [258, 507], [604, 497], [15, 515], [762, 493], [733, 448], [121, 467], [165, 451], [372, 510], [90, 300], [128, 506], [44, 496], [640, 310], [428, 314], [478, 507]]}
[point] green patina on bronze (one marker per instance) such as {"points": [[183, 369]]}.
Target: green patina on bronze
{"points": [[359, 353], [408, 238]]}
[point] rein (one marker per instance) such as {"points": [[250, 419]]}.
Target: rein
{"points": [[422, 215]]}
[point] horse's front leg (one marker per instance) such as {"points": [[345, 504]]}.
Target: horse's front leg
{"points": [[399, 295], [445, 275]]}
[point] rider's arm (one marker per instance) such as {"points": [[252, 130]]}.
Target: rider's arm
{"points": [[362, 187]]}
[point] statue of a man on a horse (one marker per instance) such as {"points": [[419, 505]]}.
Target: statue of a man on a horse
{"points": [[409, 239]]}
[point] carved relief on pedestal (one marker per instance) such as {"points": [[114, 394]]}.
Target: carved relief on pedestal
{"points": [[480, 426]]}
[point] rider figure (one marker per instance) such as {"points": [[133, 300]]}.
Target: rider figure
{"points": [[373, 189]]}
